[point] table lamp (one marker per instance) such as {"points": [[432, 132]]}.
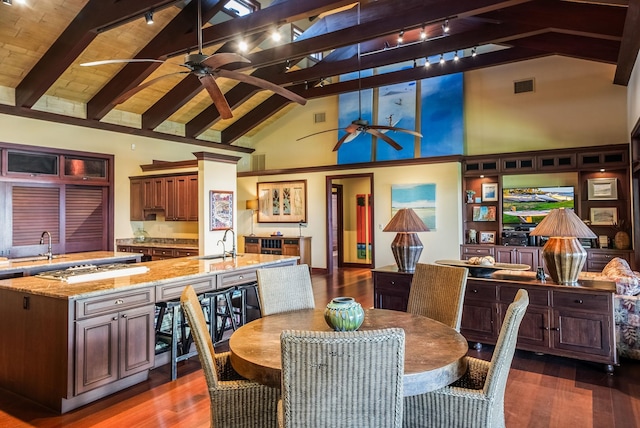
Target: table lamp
{"points": [[406, 246], [563, 254], [252, 204]]}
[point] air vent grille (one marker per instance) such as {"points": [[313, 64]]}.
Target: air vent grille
{"points": [[522, 86], [258, 162], [319, 117]]}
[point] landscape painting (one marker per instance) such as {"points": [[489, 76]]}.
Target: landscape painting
{"points": [[421, 198]]}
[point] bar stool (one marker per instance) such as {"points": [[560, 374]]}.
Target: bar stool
{"points": [[245, 298], [177, 337], [219, 311]]}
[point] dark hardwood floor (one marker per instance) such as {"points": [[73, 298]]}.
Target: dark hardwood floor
{"points": [[543, 391]]}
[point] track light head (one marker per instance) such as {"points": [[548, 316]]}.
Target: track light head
{"points": [[427, 64], [7, 2], [423, 33], [401, 37], [445, 27], [242, 46], [275, 36], [441, 58], [473, 51], [288, 66], [148, 17], [456, 57]]}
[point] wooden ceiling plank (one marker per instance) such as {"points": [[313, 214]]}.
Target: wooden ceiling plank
{"points": [[132, 74], [73, 40], [267, 108], [630, 45], [600, 50]]}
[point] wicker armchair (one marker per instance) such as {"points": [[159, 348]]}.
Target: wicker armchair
{"points": [[477, 399], [342, 379], [285, 289], [235, 401], [437, 292]]}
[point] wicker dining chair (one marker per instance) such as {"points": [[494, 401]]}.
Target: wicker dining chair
{"points": [[476, 399], [235, 402], [437, 292], [342, 379], [285, 289]]}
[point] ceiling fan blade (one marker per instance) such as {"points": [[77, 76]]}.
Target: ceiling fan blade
{"points": [[261, 83], [351, 128], [316, 133], [216, 95], [386, 139], [118, 61], [393, 128], [340, 141], [124, 97], [217, 60]]}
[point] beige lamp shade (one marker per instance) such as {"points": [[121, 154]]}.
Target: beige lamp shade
{"points": [[251, 204], [563, 254], [406, 247]]}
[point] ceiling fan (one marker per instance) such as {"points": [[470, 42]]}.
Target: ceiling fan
{"points": [[360, 125], [206, 68]]}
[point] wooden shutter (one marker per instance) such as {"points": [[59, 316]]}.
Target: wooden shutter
{"points": [[85, 218], [35, 209]]}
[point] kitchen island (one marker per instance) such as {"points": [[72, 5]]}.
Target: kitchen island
{"points": [[65, 345], [26, 266]]}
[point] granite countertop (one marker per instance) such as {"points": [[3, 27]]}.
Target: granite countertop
{"points": [[160, 271], [182, 244], [61, 261]]}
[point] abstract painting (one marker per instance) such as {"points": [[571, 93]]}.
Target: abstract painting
{"points": [[419, 197]]}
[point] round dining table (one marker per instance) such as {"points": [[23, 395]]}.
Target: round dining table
{"points": [[434, 352]]}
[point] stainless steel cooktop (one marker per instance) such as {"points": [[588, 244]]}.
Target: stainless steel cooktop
{"points": [[93, 272]]}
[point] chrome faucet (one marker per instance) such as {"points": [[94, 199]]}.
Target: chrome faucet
{"points": [[49, 254], [233, 251], [224, 252]]}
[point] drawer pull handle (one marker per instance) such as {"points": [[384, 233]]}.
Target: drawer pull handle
{"points": [[579, 301], [124, 315], [119, 302], [115, 318], [241, 277], [393, 283], [555, 328], [474, 291], [545, 328]]}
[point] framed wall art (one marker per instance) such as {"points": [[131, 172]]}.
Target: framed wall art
{"points": [[602, 189], [490, 192], [282, 202], [484, 213], [221, 209], [606, 216], [487, 237]]}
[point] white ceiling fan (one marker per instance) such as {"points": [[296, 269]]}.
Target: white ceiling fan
{"points": [[206, 68]]}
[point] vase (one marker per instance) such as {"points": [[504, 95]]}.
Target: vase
{"points": [[622, 241], [344, 314]]}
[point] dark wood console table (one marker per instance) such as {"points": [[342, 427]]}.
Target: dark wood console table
{"points": [[568, 321]]}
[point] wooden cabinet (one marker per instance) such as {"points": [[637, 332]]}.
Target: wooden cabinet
{"points": [[569, 321], [518, 255], [468, 251], [597, 259], [158, 253], [286, 246], [175, 195]]}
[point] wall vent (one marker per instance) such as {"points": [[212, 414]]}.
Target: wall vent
{"points": [[319, 117], [258, 162], [522, 86]]}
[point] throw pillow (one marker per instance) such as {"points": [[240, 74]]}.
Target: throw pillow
{"points": [[627, 282]]}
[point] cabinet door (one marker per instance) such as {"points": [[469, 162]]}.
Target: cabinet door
{"points": [[391, 290], [534, 329], [582, 332], [505, 254], [154, 193], [290, 247], [137, 340], [527, 256], [192, 198], [177, 204], [96, 352], [136, 200], [479, 321]]}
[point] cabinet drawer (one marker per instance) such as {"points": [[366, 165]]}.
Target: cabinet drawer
{"points": [[536, 297], [226, 280], [481, 292], [592, 302], [251, 240], [134, 249], [477, 250], [174, 290], [185, 253], [291, 241], [114, 302], [162, 252], [384, 280]]}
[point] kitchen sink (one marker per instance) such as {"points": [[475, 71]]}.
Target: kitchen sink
{"points": [[216, 256]]}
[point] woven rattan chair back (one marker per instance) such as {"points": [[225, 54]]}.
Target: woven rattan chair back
{"points": [[235, 401], [285, 289], [342, 379], [437, 292]]}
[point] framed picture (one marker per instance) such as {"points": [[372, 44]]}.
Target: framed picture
{"points": [[490, 192], [602, 189], [487, 237], [484, 213], [603, 216], [282, 202], [221, 209]]}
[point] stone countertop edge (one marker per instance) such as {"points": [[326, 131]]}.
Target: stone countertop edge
{"points": [[131, 242], [66, 260], [161, 271]]}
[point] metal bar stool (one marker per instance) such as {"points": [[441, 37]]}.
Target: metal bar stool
{"points": [[245, 301], [178, 336], [219, 309]]}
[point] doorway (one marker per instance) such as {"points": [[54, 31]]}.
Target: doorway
{"points": [[350, 237]]}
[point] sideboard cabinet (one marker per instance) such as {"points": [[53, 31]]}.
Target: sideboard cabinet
{"points": [[280, 245], [575, 322]]}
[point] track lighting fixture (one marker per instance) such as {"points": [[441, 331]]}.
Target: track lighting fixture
{"points": [[441, 58], [322, 82], [275, 36], [288, 66], [306, 85], [386, 45], [423, 33], [445, 26], [242, 46], [427, 64], [401, 37], [148, 17], [7, 2], [414, 64], [473, 51], [456, 57]]}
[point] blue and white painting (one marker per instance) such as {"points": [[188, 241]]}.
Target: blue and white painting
{"points": [[441, 120], [421, 198]]}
